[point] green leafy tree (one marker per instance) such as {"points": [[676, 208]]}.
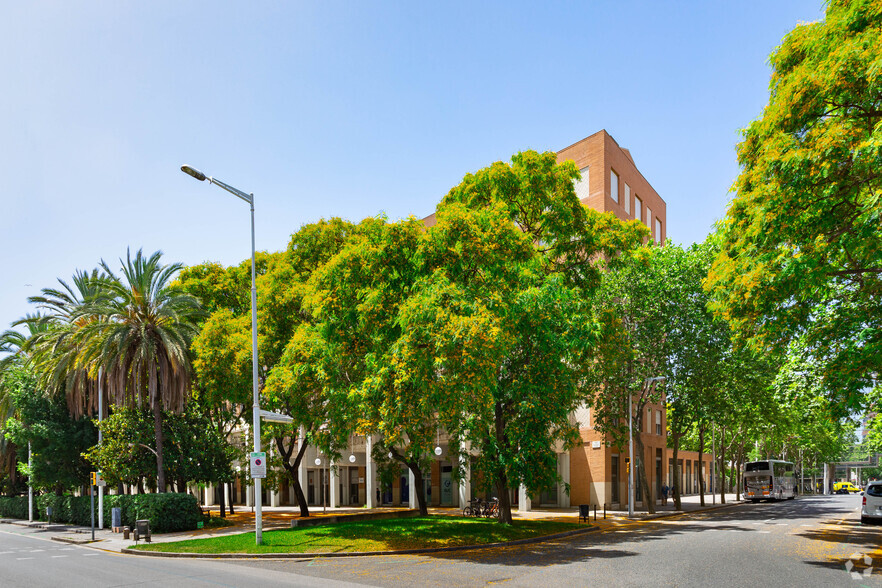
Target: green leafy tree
{"points": [[800, 255], [57, 439]]}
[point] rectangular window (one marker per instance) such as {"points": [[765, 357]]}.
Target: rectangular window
{"points": [[649, 218], [658, 423], [658, 231], [627, 198], [614, 185], [649, 420], [638, 208], [581, 186]]}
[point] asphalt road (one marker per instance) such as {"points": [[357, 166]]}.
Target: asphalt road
{"points": [[803, 542], [815, 541], [30, 559]]}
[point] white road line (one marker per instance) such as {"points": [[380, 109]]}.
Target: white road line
{"points": [[90, 554], [36, 550], [57, 556], [21, 558]]}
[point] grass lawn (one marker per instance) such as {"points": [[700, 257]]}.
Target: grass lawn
{"points": [[390, 534]]}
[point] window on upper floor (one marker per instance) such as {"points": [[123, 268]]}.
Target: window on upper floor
{"points": [[658, 429], [614, 185], [627, 198], [581, 186], [649, 218], [658, 230], [638, 208]]}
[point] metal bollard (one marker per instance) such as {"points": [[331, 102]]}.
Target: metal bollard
{"points": [[604, 511], [595, 512], [126, 532]]}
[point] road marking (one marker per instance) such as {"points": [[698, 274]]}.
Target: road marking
{"points": [[764, 532], [56, 556], [36, 550], [21, 558], [90, 554]]}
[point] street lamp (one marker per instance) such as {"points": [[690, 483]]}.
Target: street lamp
{"points": [[647, 384], [249, 198]]}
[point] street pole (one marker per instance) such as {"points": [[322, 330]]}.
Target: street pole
{"points": [[249, 198], [100, 438], [30, 487], [258, 497]]}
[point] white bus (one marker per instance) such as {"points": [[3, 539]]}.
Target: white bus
{"points": [[771, 479]]}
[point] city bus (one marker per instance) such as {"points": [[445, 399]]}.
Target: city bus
{"points": [[771, 479]]}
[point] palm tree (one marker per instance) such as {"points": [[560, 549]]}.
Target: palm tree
{"points": [[138, 330], [60, 351]]}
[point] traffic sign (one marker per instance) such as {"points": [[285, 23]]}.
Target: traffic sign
{"points": [[258, 465]]}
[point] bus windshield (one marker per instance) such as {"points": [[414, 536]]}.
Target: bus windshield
{"points": [[756, 466]]}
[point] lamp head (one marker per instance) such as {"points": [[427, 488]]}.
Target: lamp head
{"points": [[192, 171]]}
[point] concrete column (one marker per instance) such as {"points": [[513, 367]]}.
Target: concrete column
{"points": [[563, 468], [334, 498], [249, 495], [826, 478], [369, 473], [209, 495], [227, 495], [411, 481], [465, 485], [524, 502], [274, 498]]}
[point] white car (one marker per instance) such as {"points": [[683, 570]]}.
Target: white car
{"points": [[871, 510]]}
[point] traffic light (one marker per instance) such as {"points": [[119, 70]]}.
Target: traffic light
{"points": [[93, 479]]}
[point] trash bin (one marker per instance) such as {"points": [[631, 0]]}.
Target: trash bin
{"points": [[116, 517], [142, 530]]}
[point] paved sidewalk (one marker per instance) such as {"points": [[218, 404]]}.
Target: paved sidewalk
{"points": [[281, 517]]}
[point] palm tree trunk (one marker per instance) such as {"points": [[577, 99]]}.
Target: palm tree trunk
{"points": [[157, 429]]}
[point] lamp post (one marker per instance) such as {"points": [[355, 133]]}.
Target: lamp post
{"points": [[249, 198], [647, 384]]}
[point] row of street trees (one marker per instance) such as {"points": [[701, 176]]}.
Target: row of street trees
{"points": [[494, 324]]}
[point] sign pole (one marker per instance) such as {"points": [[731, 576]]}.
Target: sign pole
{"points": [[92, 493]]}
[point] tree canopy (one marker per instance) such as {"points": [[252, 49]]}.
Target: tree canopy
{"points": [[800, 255]]}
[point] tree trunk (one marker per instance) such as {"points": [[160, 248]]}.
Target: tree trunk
{"points": [[675, 477], [157, 429], [418, 480], [223, 501], [722, 465], [700, 464], [501, 477], [640, 468], [231, 498], [291, 469], [504, 499]]}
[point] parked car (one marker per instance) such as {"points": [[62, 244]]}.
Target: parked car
{"points": [[871, 509], [845, 488]]}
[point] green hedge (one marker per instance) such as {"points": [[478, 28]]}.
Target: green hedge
{"points": [[14, 507], [166, 512]]}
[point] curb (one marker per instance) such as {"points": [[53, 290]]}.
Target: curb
{"points": [[74, 541], [360, 553], [667, 515]]}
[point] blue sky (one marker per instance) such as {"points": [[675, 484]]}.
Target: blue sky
{"points": [[345, 109]]}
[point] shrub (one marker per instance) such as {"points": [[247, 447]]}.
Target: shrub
{"points": [[14, 507], [166, 512]]}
